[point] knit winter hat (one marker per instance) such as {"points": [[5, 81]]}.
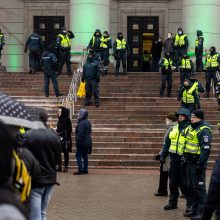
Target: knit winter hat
{"points": [[198, 113], [171, 116]]}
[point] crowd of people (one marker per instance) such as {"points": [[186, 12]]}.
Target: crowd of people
{"points": [[31, 156]]}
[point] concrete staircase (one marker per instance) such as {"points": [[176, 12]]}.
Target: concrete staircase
{"points": [[128, 127]]}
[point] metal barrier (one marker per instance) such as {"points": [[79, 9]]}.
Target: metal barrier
{"points": [[71, 98]]}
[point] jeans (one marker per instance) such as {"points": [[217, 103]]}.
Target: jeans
{"points": [[47, 77], [82, 154], [121, 57], [40, 198]]}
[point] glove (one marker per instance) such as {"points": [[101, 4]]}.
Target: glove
{"points": [[83, 80], [199, 170], [98, 80], [90, 151], [157, 158], [162, 160]]}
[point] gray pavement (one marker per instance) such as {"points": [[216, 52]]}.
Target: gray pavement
{"points": [[110, 195]]}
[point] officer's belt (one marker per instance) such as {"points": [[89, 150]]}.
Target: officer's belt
{"points": [[191, 157]]}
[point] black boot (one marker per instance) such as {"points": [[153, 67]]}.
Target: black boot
{"points": [[170, 206]]}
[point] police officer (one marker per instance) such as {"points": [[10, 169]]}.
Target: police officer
{"points": [[188, 96], [95, 43], [106, 44], [212, 66], [195, 83], [180, 44], [2, 43], [173, 145], [186, 68], [91, 76], [35, 45], [120, 48], [199, 51], [196, 154], [49, 63], [146, 61], [166, 65], [64, 47]]}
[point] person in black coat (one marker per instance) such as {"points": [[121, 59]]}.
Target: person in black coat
{"points": [[44, 144], [213, 198], [156, 50], [83, 142], [64, 130]]}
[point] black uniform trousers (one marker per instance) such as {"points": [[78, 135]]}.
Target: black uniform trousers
{"points": [[47, 76], [105, 60], [175, 180], [64, 56], [120, 57], [199, 63], [184, 74], [195, 187], [178, 54], [166, 77], [1, 52], [189, 106], [163, 181], [92, 87], [34, 60], [209, 76]]}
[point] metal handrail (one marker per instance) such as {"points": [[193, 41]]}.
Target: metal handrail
{"points": [[71, 98]]}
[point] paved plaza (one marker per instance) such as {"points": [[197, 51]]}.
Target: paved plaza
{"points": [[111, 195]]}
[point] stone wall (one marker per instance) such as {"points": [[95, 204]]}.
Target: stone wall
{"points": [[12, 25]]}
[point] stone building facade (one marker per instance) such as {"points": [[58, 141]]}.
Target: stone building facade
{"points": [[17, 21]]}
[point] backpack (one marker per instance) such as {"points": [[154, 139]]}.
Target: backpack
{"points": [[21, 178]]}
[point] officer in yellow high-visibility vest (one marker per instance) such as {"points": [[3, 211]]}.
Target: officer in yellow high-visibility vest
{"points": [[95, 43], [64, 47], [120, 48], [212, 66], [186, 68], [196, 154], [2, 42], [106, 44], [173, 146], [199, 50], [180, 45], [166, 65], [188, 96]]}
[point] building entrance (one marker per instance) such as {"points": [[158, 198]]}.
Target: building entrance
{"points": [[48, 27], [141, 33]]}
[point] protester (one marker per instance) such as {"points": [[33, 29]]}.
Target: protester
{"points": [[83, 141], [64, 130]]}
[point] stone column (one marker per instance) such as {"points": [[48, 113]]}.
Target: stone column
{"points": [[85, 17], [202, 15]]}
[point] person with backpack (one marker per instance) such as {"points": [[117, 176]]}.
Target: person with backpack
{"points": [[10, 207], [45, 146]]}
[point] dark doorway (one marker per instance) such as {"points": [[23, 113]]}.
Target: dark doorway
{"points": [[141, 33], [48, 27]]}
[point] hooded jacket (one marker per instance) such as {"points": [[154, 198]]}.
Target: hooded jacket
{"points": [[95, 40], [199, 48], [83, 131], [64, 126], [34, 43]]}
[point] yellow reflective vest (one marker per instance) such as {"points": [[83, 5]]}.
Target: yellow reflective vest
{"points": [[146, 57], [186, 64], [212, 61], [167, 63], [179, 40], [103, 42], [1, 39], [196, 87], [177, 140], [197, 41], [188, 98], [121, 44], [192, 142], [65, 41]]}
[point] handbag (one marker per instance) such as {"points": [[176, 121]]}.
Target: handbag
{"points": [[82, 90]]}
